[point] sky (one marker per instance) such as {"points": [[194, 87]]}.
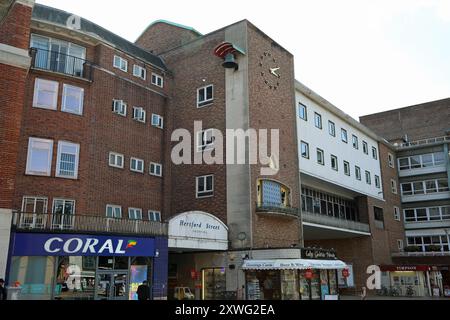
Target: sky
{"points": [[363, 56]]}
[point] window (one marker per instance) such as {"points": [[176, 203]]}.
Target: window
{"points": [[63, 211], [394, 186], [154, 216], [347, 168], [119, 107], [421, 161], [374, 153], [377, 182], [302, 111], [317, 120], [67, 162], [72, 100], [137, 165], [368, 178], [205, 140], [205, 186], [334, 163], [355, 142], [344, 136], [320, 157], [358, 173], [156, 169], [391, 160], [205, 96], [157, 80], [39, 159], [134, 214], [272, 194], [406, 189], [378, 214], [400, 245], [365, 147], [331, 128], [116, 160], [157, 121], [113, 211], [37, 205], [140, 72], [120, 63], [45, 94], [397, 214], [305, 149], [139, 114]]}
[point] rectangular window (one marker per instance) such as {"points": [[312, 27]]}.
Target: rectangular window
{"points": [[113, 211], [120, 63], [67, 162], [394, 186], [205, 186], [368, 178], [406, 189], [355, 142], [134, 214], [157, 121], [344, 136], [116, 160], [305, 149], [139, 114], [63, 211], [334, 163], [119, 107], [365, 147], [137, 165], [358, 173], [72, 100], [331, 128], [377, 182], [320, 156], [442, 185], [140, 72], [45, 94], [205, 140], [400, 245], [205, 96], [156, 169], [397, 214], [317, 120], [154, 216], [391, 160], [374, 153], [35, 205], [303, 111], [403, 164], [347, 168], [378, 214], [39, 159], [157, 80]]}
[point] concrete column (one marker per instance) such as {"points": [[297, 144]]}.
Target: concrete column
{"points": [[5, 233]]}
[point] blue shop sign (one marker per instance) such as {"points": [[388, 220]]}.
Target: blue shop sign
{"points": [[37, 244]]}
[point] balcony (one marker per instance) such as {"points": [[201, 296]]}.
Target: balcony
{"points": [[420, 254], [423, 142], [53, 61], [444, 195], [277, 209], [83, 223]]}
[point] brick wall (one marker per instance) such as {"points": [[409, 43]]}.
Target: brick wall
{"points": [[15, 28]]}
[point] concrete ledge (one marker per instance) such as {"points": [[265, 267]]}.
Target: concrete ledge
{"points": [[14, 56], [28, 3]]}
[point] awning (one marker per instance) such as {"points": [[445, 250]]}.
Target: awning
{"points": [[286, 264]]}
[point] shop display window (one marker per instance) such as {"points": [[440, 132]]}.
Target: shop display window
{"points": [[289, 288], [214, 283], [75, 278]]}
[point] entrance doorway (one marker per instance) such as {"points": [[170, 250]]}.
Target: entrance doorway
{"points": [[112, 285]]}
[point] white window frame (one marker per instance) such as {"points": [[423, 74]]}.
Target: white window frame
{"points": [[58, 160], [207, 101], [122, 65], [336, 168], [344, 135], [119, 107], [365, 147], [113, 209], [374, 153], [137, 214], [156, 216], [203, 144], [368, 176], [358, 175], [322, 155], [347, 170], [80, 97], [391, 160], [377, 182], [116, 155], [156, 78], [318, 120], [331, 128], [157, 121], [301, 106], [306, 145], [139, 114], [35, 199], [156, 165], [28, 169], [394, 188], [136, 160], [355, 142], [38, 82], [139, 72], [397, 215], [198, 193]]}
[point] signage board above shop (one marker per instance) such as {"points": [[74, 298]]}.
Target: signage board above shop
{"points": [[40, 244], [321, 254]]}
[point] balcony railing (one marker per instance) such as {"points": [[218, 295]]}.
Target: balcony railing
{"points": [[276, 208], [422, 254], [61, 63], [84, 223], [335, 222], [423, 142]]}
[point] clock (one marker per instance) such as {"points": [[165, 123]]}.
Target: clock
{"points": [[270, 70]]}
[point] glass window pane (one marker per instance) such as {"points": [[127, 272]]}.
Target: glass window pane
{"points": [[418, 188], [427, 160], [415, 162]]}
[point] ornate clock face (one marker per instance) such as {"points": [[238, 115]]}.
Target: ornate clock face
{"points": [[270, 70]]}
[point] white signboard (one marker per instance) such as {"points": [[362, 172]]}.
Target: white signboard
{"points": [[346, 282], [198, 230]]}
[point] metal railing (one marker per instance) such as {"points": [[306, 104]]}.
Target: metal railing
{"points": [[423, 142], [278, 208], [422, 254], [84, 223], [61, 63], [335, 222]]}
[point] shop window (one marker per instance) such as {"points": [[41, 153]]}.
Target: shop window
{"points": [[75, 278], [214, 284]]}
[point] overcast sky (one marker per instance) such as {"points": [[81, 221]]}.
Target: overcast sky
{"points": [[364, 56]]}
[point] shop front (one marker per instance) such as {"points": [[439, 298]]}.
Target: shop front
{"points": [[408, 281], [86, 267]]}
